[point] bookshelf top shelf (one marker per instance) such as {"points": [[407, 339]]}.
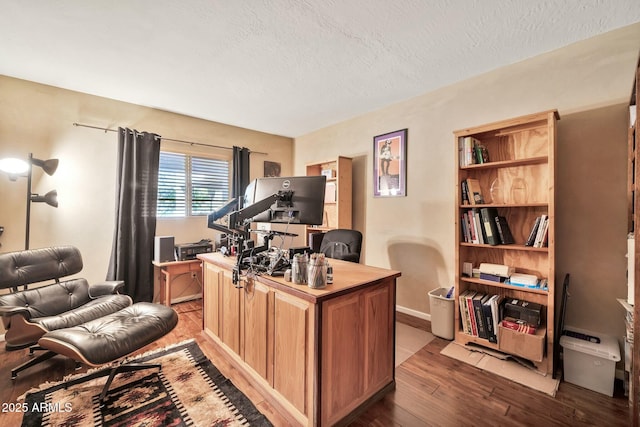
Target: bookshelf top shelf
{"points": [[508, 163]]}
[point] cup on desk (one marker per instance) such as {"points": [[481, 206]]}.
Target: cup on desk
{"points": [[317, 272], [299, 269]]}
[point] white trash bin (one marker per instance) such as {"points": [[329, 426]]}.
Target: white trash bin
{"points": [[442, 318]]}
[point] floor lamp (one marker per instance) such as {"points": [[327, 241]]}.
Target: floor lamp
{"points": [[16, 168]]}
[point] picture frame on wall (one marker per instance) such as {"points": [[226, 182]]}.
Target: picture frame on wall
{"points": [[390, 164], [271, 169]]}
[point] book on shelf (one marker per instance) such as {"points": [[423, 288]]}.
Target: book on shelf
{"points": [[469, 222], [465, 192], [543, 230], [464, 228], [488, 318], [506, 238], [481, 323], [479, 227], [496, 313], [467, 269], [534, 230], [464, 311], [490, 226], [474, 191], [472, 317], [492, 277]]}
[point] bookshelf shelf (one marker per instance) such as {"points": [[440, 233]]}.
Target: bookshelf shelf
{"points": [[508, 163], [506, 247], [518, 155], [504, 286], [505, 205]]}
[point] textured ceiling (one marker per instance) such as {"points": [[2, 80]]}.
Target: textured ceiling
{"points": [[284, 66]]}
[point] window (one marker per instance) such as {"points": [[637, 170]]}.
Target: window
{"points": [[191, 186]]}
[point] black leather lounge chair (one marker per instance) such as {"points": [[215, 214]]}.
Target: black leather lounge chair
{"points": [[71, 317]]}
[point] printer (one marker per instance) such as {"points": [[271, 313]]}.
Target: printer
{"points": [[187, 251]]}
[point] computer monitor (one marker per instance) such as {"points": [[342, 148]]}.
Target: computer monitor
{"points": [[302, 200]]}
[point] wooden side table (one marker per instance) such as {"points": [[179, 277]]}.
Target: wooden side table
{"points": [[172, 269]]}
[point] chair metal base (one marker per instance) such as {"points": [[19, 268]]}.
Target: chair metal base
{"points": [[44, 356], [112, 372], [41, 358]]}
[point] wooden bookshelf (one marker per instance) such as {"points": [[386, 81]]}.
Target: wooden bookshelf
{"points": [[521, 166], [634, 219], [338, 195]]}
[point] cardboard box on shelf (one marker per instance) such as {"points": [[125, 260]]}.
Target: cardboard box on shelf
{"points": [[530, 347]]}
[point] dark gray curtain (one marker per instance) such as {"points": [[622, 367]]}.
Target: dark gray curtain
{"points": [[240, 171], [136, 198]]}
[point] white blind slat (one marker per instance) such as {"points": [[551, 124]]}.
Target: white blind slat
{"points": [[191, 185]]}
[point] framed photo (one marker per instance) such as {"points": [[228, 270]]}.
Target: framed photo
{"points": [[390, 164], [271, 169]]}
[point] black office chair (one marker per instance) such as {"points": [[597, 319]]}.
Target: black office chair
{"points": [[342, 244]]}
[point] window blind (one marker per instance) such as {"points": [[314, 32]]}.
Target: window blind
{"points": [[189, 185]]}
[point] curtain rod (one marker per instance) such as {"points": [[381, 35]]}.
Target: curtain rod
{"points": [[170, 139]]}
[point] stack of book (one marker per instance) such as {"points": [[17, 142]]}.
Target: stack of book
{"points": [[471, 151], [485, 226], [539, 235], [480, 314], [522, 316]]}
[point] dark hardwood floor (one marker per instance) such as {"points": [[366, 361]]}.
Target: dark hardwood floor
{"points": [[431, 389]]}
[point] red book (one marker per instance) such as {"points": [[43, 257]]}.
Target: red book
{"points": [[518, 325]]}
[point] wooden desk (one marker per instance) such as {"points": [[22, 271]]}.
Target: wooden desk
{"points": [[320, 356], [170, 269]]}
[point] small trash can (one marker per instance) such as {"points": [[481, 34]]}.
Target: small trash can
{"points": [[442, 318]]}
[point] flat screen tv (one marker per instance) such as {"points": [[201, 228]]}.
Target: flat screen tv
{"points": [[301, 202]]}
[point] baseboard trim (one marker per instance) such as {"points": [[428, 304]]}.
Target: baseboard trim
{"points": [[186, 298], [413, 313]]}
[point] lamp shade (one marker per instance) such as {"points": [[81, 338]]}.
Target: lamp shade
{"points": [[14, 166], [49, 166], [51, 198]]}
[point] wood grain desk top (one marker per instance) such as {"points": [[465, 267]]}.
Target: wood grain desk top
{"points": [[347, 276]]}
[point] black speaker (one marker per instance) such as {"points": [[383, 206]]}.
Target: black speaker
{"points": [[163, 249]]}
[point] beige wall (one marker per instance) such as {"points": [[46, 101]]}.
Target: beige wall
{"points": [[415, 234], [37, 118]]}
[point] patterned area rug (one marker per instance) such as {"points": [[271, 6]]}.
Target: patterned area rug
{"points": [[188, 391]]}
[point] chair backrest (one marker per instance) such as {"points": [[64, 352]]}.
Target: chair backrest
{"points": [[342, 244], [38, 265]]}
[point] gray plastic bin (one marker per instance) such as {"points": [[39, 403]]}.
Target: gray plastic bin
{"points": [[442, 318]]}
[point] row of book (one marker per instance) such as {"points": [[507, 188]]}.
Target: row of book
{"points": [[481, 314], [471, 151], [485, 226], [539, 235]]}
